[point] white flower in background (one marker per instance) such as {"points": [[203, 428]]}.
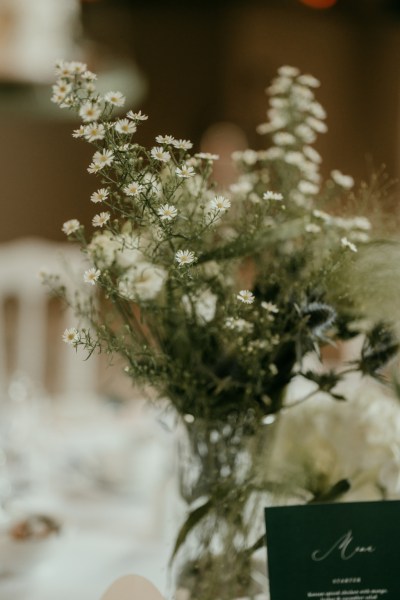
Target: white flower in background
{"points": [[345, 181], [125, 127], [246, 296], [207, 156], [158, 153], [306, 187], [71, 226], [89, 111], [239, 325], [302, 91], [100, 196], [94, 131], [317, 124], [185, 257], [114, 98], [80, 132], [312, 154], [89, 76], [308, 80], [320, 214], [220, 203], [133, 188], [182, 144], [79, 68], [283, 138], [101, 219], [362, 223], [137, 116], [100, 160], [279, 102], [243, 186], [64, 69], [269, 307], [185, 171], [167, 212], [317, 110], [288, 71], [276, 196], [165, 139], [272, 153], [142, 281], [70, 336], [294, 158], [312, 228], [103, 249], [305, 133], [61, 88], [91, 275], [280, 85], [347, 244], [204, 305]]}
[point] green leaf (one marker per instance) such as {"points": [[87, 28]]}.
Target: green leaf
{"points": [[192, 520]]}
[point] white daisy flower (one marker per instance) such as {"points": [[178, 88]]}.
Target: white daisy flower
{"points": [[101, 219], [71, 226], [91, 275], [167, 212], [306, 187], [220, 203], [78, 133], [89, 111], [70, 336], [114, 98], [347, 244], [103, 158], [312, 228], [269, 307], [125, 127], [94, 131], [78, 67], [137, 116], [182, 144], [89, 76], [207, 156], [64, 69], [273, 196], [345, 181], [283, 138], [100, 196], [133, 188], [165, 139], [61, 88], [246, 296], [185, 171], [185, 257], [158, 153], [288, 71]]}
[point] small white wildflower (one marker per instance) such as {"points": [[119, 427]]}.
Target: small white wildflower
{"points": [[165, 139], [78, 67], [312, 154], [137, 116], [270, 307], [288, 71], [276, 196], [302, 92], [100, 196], [71, 226], [246, 296], [249, 157], [283, 138], [78, 133], [305, 133], [294, 158], [345, 181], [317, 124], [279, 102], [94, 131], [312, 228], [280, 85], [347, 244], [241, 187], [101, 219], [70, 336], [91, 275], [185, 257], [182, 144], [89, 76], [167, 212], [207, 156], [125, 127], [362, 223], [272, 153], [133, 188], [61, 88], [63, 69], [306, 187], [240, 325], [317, 110], [114, 98], [309, 81], [220, 203], [158, 153], [185, 171], [89, 111], [100, 160]]}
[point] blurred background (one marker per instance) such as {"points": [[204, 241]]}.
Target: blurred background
{"points": [[199, 69]]}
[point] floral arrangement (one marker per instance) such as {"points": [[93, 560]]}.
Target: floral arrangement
{"points": [[217, 297]]}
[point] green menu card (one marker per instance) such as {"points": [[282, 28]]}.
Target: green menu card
{"points": [[344, 551]]}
